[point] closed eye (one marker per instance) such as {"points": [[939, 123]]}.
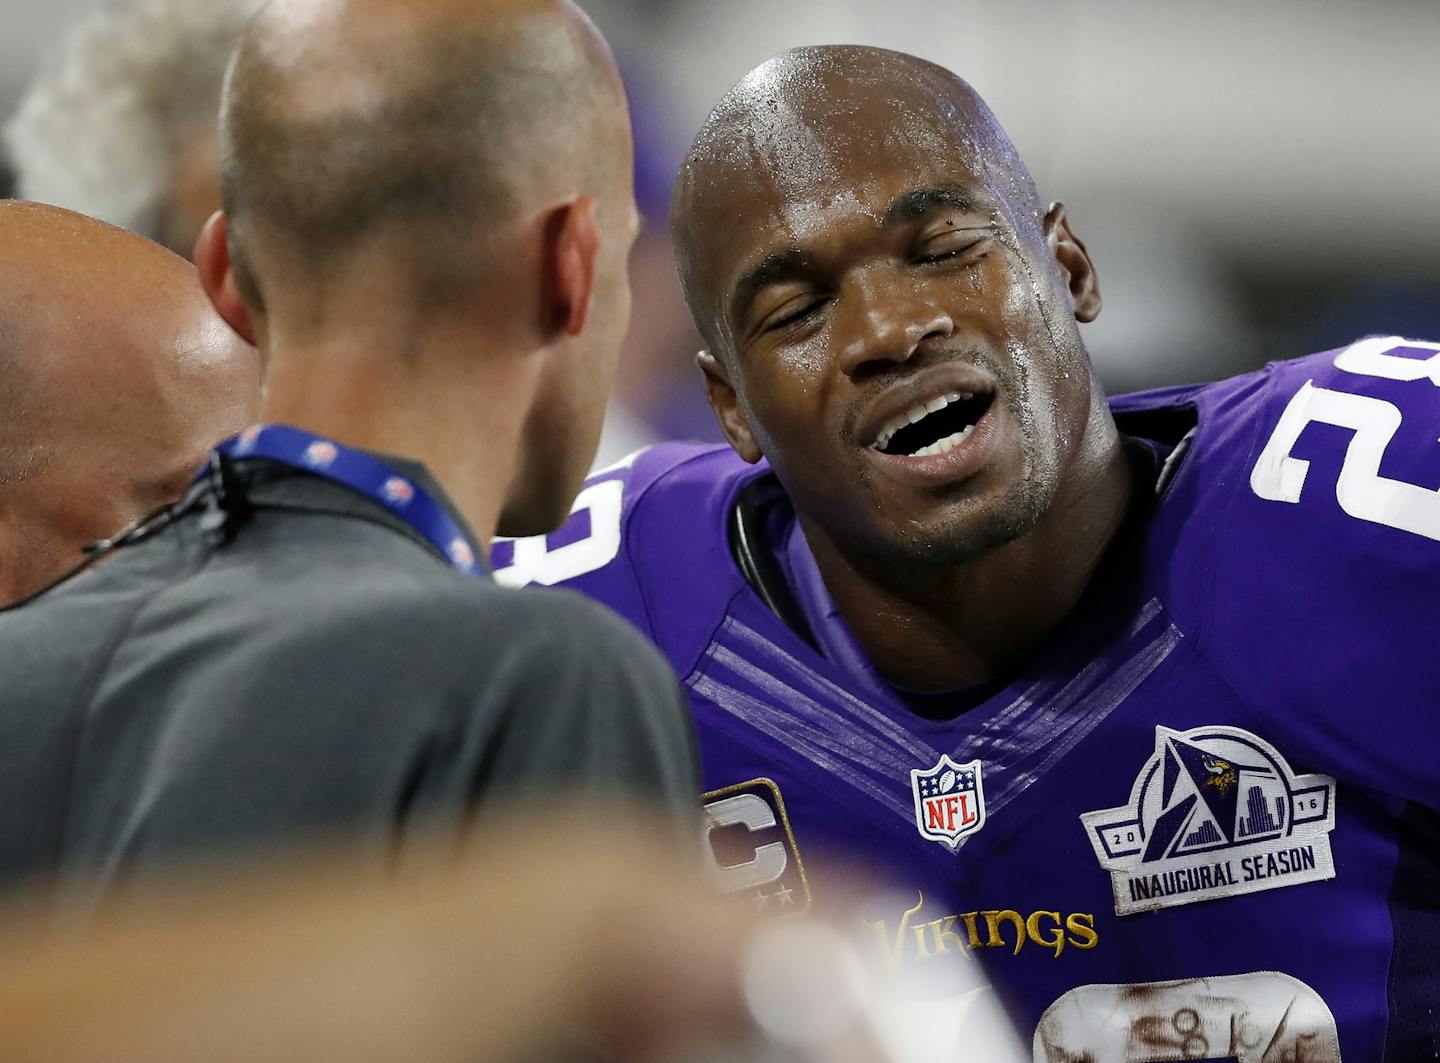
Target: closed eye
{"points": [[797, 312], [948, 251]]}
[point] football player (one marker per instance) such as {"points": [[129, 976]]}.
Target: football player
{"points": [[1130, 696]]}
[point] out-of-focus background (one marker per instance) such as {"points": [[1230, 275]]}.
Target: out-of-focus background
{"points": [[1254, 180]]}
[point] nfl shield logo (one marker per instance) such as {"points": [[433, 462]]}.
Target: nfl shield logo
{"points": [[321, 454], [949, 801], [461, 556], [397, 491], [248, 438]]}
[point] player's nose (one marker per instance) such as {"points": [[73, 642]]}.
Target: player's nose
{"points": [[883, 321]]}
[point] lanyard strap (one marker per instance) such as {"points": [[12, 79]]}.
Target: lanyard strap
{"points": [[359, 472]]}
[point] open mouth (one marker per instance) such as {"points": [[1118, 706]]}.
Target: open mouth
{"points": [[933, 427]]}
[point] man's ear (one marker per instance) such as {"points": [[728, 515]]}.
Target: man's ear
{"points": [[217, 276], [726, 404], [572, 242], [1075, 264]]}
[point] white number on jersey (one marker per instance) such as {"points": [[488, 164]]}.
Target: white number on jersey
{"points": [[1262, 1017], [535, 562], [1360, 489]]}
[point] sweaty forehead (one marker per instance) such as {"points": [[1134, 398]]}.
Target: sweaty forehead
{"points": [[800, 129], [809, 130]]}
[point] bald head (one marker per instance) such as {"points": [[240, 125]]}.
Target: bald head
{"points": [[419, 126], [116, 376], [806, 126]]}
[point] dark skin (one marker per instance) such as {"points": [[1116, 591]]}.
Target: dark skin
{"points": [[857, 235]]}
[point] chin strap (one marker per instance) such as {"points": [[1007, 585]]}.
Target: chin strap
{"points": [[755, 554]]}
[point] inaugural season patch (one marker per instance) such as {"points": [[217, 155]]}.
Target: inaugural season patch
{"points": [[1215, 812]]}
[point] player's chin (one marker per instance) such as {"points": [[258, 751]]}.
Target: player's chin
{"points": [[955, 524]]}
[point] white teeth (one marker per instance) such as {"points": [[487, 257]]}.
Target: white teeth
{"points": [[943, 446], [915, 413]]}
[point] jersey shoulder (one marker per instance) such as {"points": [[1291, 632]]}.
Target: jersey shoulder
{"points": [[648, 537], [1322, 476], [1236, 414], [1333, 455], [1333, 452]]}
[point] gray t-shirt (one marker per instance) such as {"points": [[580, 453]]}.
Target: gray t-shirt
{"points": [[321, 670]]}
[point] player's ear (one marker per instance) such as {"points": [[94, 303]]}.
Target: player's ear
{"points": [[726, 404], [1075, 264], [572, 240], [217, 276]]}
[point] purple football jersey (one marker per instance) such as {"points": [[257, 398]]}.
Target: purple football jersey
{"points": [[1203, 826]]}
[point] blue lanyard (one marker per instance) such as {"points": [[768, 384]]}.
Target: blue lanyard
{"points": [[321, 457]]}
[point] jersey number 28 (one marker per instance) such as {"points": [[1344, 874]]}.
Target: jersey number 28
{"points": [[1361, 490]]}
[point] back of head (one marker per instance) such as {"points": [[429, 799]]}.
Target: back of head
{"points": [[417, 181], [116, 376], [425, 127]]}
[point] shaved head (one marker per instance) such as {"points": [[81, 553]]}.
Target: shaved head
{"points": [[116, 376], [797, 123], [424, 125], [858, 239]]}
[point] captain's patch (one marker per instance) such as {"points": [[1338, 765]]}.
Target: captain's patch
{"points": [[751, 850], [1215, 812]]}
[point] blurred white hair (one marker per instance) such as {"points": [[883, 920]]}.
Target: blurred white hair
{"points": [[99, 130]]}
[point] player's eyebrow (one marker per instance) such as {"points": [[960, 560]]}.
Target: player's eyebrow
{"points": [[921, 201], [774, 267]]}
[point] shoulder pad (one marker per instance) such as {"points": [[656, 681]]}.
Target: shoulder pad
{"points": [[1358, 425], [1324, 578], [648, 537]]}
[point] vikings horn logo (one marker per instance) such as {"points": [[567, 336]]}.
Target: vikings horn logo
{"points": [[1222, 774]]}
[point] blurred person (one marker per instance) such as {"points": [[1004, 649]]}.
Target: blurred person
{"points": [[309, 957], [117, 378], [429, 252], [121, 126], [1131, 693], [501, 952]]}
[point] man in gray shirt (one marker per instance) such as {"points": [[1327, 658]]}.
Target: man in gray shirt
{"points": [[428, 208]]}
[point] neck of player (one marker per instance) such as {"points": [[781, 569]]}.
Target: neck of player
{"points": [[431, 393], [986, 619]]}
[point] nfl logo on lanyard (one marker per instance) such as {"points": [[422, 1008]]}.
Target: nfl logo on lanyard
{"points": [[397, 491], [320, 454], [247, 439], [362, 474], [460, 554], [949, 801]]}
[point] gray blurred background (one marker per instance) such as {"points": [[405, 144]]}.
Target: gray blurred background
{"points": [[1254, 180]]}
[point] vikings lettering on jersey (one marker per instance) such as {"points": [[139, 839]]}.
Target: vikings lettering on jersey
{"points": [[1204, 826]]}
